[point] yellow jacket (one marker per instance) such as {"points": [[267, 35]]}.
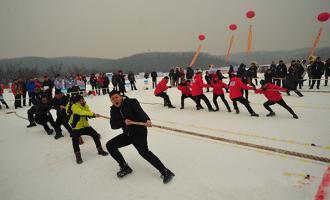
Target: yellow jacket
{"points": [[78, 118]]}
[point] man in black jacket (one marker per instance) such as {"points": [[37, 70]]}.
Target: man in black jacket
{"points": [[59, 104], [154, 78], [327, 71], [317, 72], [131, 78], [281, 72], [124, 112]]}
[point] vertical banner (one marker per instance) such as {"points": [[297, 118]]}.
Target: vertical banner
{"points": [[249, 48], [195, 56], [229, 48]]}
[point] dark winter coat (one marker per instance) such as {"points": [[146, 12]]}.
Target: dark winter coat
{"points": [[130, 109], [189, 73], [281, 70], [154, 75], [317, 69], [327, 69]]}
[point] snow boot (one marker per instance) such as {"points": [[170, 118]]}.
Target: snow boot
{"points": [[270, 114], [58, 135], [171, 106], [167, 175], [124, 170], [254, 115], [295, 116], [100, 151], [237, 111], [50, 131], [31, 125], [78, 158]]}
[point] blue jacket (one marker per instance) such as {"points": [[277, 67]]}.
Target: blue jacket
{"points": [[30, 85]]}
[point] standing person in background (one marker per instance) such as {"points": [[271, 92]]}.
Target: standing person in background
{"points": [[208, 79], [23, 90], [93, 82], [131, 79], [273, 72], [160, 91], [291, 81], [171, 75], [114, 81], [244, 76], [48, 87], [2, 100], [124, 112], [317, 72], [189, 74], [15, 89], [121, 82], [176, 76], [85, 81], [281, 71], [268, 76], [31, 85], [230, 71], [305, 66], [100, 83], [106, 83], [154, 79], [253, 71], [58, 83], [326, 71], [300, 73]]}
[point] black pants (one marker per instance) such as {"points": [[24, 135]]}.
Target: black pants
{"points": [[167, 101], [154, 83], [133, 86], [183, 97], [115, 86], [267, 105], [139, 141], [84, 131], [296, 91], [205, 99], [24, 98], [279, 82], [243, 101], [222, 96], [3, 102], [44, 120], [105, 90], [63, 120], [317, 81], [32, 98], [18, 101], [326, 80]]}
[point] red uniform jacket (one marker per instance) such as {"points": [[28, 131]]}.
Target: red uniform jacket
{"points": [[272, 92], [218, 87], [236, 86], [161, 87], [197, 85], [185, 89]]}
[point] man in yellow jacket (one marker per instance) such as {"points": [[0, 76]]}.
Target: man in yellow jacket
{"points": [[79, 113]]}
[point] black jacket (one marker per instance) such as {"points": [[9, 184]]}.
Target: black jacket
{"points": [[327, 69], [154, 75], [60, 102], [317, 69], [130, 109], [281, 70], [189, 73]]}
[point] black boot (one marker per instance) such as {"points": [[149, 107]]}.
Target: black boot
{"points": [[237, 111], [101, 151], [171, 106], [295, 116], [254, 115], [58, 135], [50, 131], [32, 124], [78, 158], [270, 114], [167, 175], [124, 170]]}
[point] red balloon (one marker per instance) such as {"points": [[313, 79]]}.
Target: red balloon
{"points": [[201, 37], [232, 27], [250, 14], [323, 17]]}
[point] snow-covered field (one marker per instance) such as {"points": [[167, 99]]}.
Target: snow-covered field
{"points": [[35, 166]]}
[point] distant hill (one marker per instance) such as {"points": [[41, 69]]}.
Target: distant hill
{"points": [[144, 62]]}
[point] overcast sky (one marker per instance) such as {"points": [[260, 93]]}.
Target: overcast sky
{"points": [[120, 28]]}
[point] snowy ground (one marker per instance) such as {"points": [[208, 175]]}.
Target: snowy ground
{"points": [[35, 166]]}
